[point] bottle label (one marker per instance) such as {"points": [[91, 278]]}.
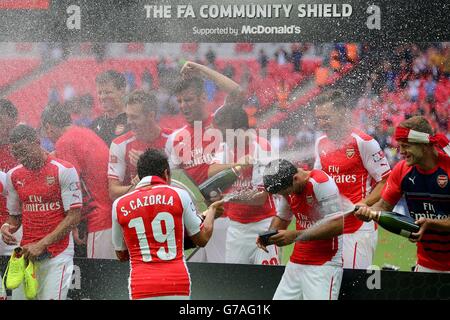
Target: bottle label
{"points": [[405, 233]]}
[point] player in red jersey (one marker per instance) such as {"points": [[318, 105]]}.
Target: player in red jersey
{"points": [[148, 229], [251, 212], [44, 196], [191, 149], [89, 155], [315, 267], [141, 111], [423, 178], [358, 166], [8, 120]]}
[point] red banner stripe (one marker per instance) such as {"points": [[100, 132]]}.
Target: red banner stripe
{"points": [[24, 4]]}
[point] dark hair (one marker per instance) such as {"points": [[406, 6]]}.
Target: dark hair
{"points": [[187, 83], [7, 108], [56, 115], [146, 100], [336, 97], [23, 132], [117, 78], [418, 123], [232, 118], [152, 162], [278, 175]]}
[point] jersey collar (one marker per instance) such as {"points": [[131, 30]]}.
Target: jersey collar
{"points": [[150, 180]]}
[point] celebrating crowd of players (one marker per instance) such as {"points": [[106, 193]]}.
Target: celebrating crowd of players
{"points": [[123, 165]]}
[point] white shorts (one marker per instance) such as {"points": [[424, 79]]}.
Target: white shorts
{"points": [[54, 276], [99, 245], [359, 247], [214, 251], [241, 244], [309, 282], [420, 268], [6, 249]]}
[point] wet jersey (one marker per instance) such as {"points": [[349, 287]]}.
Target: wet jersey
{"points": [[150, 222], [121, 165], [355, 164], [89, 155], [250, 178], [42, 197], [427, 195], [190, 148], [319, 198]]}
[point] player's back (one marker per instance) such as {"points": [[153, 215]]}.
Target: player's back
{"points": [[90, 156], [152, 222]]}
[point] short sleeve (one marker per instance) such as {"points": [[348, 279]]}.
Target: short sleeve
{"points": [[283, 208], [117, 233], [192, 221], [117, 164], [13, 200], [328, 197], [70, 188], [374, 159], [392, 191]]}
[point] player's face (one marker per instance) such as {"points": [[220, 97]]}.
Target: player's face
{"points": [[192, 104], [413, 153], [110, 97], [29, 154], [6, 126], [328, 118], [139, 121]]}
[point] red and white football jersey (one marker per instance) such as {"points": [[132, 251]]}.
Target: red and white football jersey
{"points": [[250, 177], [356, 165], [42, 197], [7, 162], [150, 222], [120, 165], [193, 150], [88, 153], [319, 198], [3, 184]]}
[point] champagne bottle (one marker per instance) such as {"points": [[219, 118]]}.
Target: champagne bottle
{"points": [[218, 183], [395, 223]]}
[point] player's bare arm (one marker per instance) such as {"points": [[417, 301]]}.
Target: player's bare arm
{"points": [[365, 213], [33, 250], [214, 211], [375, 195], [322, 231], [116, 189], [223, 82], [9, 228]]}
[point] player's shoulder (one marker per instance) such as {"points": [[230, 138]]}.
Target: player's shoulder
{"points": [[178, 135], [361, 136], [401, 168], [17, 169], [60, 163], [318, 176], [124, 138], [166, 132]]}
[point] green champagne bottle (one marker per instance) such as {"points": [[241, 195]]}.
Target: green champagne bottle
{"points": [[218, 183], [395, 223]]}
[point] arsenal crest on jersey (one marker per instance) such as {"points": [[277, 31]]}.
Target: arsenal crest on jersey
{"points": [[350, 153], [442, 180], [309, 200], [50, 180], [120, 128]]}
